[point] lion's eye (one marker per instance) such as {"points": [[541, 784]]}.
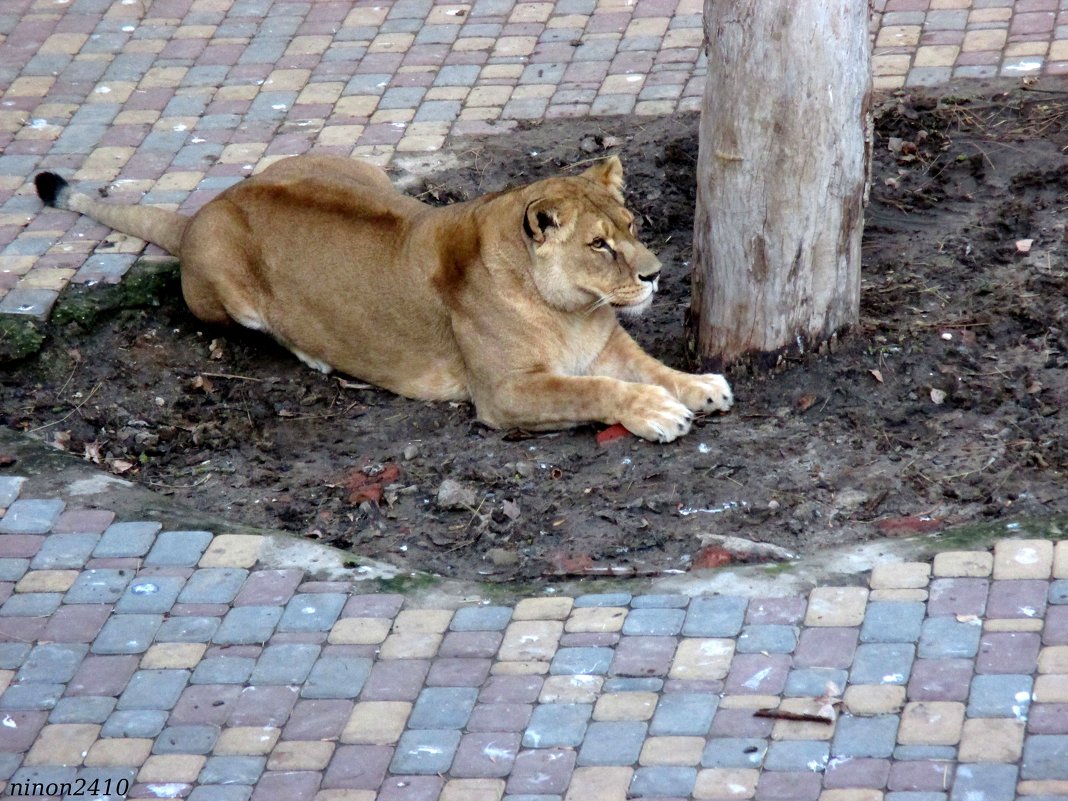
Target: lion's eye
{"points": [[599, 244]]}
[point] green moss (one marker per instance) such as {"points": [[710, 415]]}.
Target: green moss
{"points": [[412, 582], [19, 337], [148, 283]]}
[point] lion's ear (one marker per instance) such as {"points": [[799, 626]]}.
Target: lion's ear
{"points": [[608, 173], [548, 219]]}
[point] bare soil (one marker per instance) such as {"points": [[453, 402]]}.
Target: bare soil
{"points": [[947, 403]]}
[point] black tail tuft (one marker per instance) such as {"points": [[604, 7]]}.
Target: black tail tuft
{"points": [[49, 187]]}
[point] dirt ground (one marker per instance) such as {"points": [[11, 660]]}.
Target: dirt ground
{"points": [[946, 405]]}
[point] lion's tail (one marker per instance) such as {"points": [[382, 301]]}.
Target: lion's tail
{"points": [[155, 225]]}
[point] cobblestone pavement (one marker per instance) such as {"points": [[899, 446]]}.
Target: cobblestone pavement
{"points": [[177, 664], [170, 101]]}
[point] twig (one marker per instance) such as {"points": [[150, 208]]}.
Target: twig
{"points": [[69, 414]]}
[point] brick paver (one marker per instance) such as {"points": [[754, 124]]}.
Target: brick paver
{"points": [[300, 689]]}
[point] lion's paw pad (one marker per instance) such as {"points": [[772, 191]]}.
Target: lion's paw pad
{"points": [[707, 393], [657, 416]]}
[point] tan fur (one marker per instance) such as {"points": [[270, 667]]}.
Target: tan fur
{"points": [[508, 301]]}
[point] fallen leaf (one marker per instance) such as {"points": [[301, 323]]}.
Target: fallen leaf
{"points": [[61, 440], [216, 349], [510, 509], [611, 434], [363, 487], [1023, 246], [906, 526], [92, 453], [806, 402], [203, 384], [711, 556], [877, 375], [120, 466]]}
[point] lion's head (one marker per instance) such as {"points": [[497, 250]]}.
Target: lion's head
{"points": [[583, 243]]}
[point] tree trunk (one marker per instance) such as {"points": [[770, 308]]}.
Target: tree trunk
{"points": [[782, 178]]}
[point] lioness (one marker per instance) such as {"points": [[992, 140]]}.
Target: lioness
{"points": [[507, 301]]}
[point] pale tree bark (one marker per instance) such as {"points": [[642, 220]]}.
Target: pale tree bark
{"points": [[782, 178]]}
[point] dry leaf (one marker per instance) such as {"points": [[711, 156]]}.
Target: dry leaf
{"points": [[806, 402], [120, 466], [1024, 245], [216, 348], [877, 375], [204, 384], [92, 453]]}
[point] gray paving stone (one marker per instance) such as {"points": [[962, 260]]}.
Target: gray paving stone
{"points": [[684, 714], [9, 763], [882, 663], [614, 742], [127, 634], [30, 516], [13, 654], [188, 628], [663, 781], [556, 725], [285, 663], [443, 708], [984, 782], [603, 599], [99, 586], [947, 637], [1044, 758], [27, 777], [797, 755], [312, 611], [151, 594], [582, 661], [12, 569], [872, 737], [126, 539], [481, 618], [734, 752], [223, 670], [65, 551], [10, 486], [31, 604], [220, 792], [186, 739], [52, 662], [625, 685], [659, 602], [719, 616], [814, 682], [915, 796], [178, 548], [910, 753], [247, 625], [654, 622], [1058, 592], [141, 723], [772, 639], [341, 678], [38, 695], [232, 770], [892, 621], [153, 689], [1000, 696], [82, 709], [216, 585], [425, 751]]}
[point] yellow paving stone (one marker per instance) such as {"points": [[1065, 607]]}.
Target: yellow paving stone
{"points": [[137, 117], [498, 96], [447, 93], [62, 744], [393, 115], [1023, 559], [678, 751], [683, 37], [144, 46], [519, 668], [531, 12], [802, 729], [308, 45], [376, 722], [116, 752], [749, 702], [366, 16], [67, 43], [622, 84], [874, 699], [898, 36], [836, 606], [936, 56], [242, 153], [287, 79], [31, 86], [900, 576], [654, 108], [162, 77], [12, 121], [453, 14], [625, 706], [898, 595], [596, 619], [173, 655], [301, 755], [246, 741], [340, 135], [473, 43], [410, 645], [963, 564], [500, 71], [232, 550], [984, 39], [472, 790], [46, 580], [508, 46], [572, 689], [184, 181], [359, 631], [356, 106], [1013, 624], [329, 92], [242, 92], [422, 621], [1053, 659], [195, 31], [1017, 49], [851, 794], [950, 4], [534, 90], [172, 768], [1060, 551], [530, 640], [568, 21], [480, 113], [599, 784], [977, 15], [1051, 688], [702, 658], [647, 26], [391, 43], [931, 723], [725, 784], [19, 265], [991, 740], [1047, 787], [112, 92]]}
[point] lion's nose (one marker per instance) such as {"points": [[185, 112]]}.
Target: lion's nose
{"points": [[652, 278]]}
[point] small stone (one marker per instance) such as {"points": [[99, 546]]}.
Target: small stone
{"points": [[410, 452], [502, 557], [454, 495]]}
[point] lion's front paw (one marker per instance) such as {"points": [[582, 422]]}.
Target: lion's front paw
{"points": [[706, 393], [654, 414]]}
